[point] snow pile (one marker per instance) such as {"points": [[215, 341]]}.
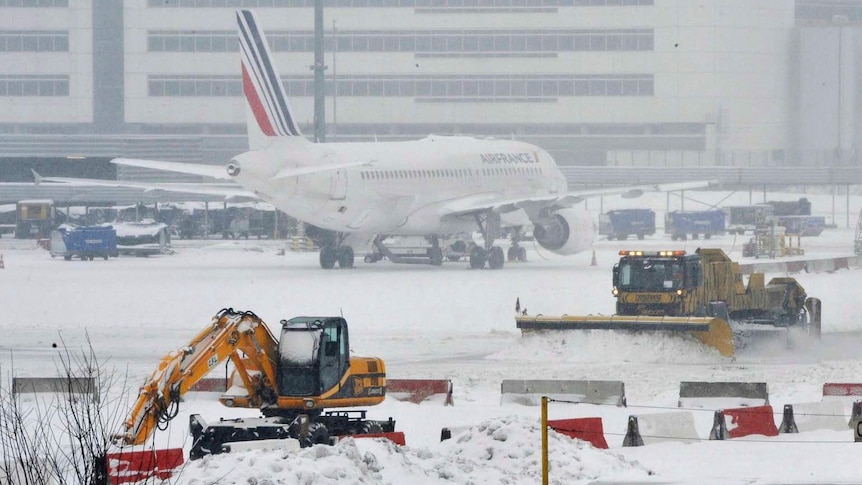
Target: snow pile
{"points": [[504, 450]]}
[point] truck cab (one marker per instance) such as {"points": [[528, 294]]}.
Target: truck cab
{"points": [[655, 282]]}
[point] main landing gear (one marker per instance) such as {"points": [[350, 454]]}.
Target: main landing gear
{"points": [[489, 226], [336, 252]]}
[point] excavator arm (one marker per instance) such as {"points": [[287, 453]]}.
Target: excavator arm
{"points": [[241, 337]]}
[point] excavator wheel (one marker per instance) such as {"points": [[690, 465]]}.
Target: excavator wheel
{"points": [[317, 435], [369, 427]]}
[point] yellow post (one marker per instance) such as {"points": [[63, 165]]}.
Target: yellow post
{"points": [[544, 440]]}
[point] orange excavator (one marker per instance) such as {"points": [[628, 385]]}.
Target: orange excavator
{"points": [[292, 380]]}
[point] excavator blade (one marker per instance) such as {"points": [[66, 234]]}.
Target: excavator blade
{"points": [[711, 331]]}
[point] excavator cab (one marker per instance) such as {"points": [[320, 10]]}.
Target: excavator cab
{"points": [[313, 355]]}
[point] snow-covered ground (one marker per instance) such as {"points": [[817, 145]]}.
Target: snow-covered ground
{"points": [[452, 323]]}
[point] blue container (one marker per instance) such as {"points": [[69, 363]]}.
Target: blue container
{"points": [[88, 242], [680, 224], [621, 223]]}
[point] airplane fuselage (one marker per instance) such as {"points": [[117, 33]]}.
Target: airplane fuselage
{"points": [[405, 187]]}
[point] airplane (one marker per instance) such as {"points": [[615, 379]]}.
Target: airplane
{"points": [[437, 185]]}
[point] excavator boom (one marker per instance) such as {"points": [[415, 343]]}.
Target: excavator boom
{"points": [[240, 336]]}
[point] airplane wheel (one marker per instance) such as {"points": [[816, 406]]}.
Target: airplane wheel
{"points": [[328, 257], [477, 257], [496, 258], [512, 253], [345, 257], [436, 255], [522, 254]]}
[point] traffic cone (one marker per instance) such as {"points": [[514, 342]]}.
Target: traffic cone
{"points": [[593, 262], [2, 265]]}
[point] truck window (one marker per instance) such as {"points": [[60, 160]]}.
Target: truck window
{"points": [[651, 275]]}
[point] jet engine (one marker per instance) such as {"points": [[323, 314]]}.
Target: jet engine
{"points": [[566, 231]]}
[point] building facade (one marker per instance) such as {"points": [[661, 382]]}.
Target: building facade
{"points": [[595, 82]]}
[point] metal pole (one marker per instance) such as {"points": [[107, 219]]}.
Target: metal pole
{"points": [[318, 68], [544, 440], [334, 81]]}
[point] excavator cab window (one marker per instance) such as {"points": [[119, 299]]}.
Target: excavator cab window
{"points": [[312, 355]]}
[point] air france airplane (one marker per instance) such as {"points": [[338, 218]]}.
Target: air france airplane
{"points": [[438, 185]]}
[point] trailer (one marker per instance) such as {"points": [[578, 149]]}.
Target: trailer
{"points": [[742, 218], [803, 226], [620, 224], [681, 224], [84, 242]]}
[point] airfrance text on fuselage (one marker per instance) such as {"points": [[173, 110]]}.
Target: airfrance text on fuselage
{"points": [[501, 158]]}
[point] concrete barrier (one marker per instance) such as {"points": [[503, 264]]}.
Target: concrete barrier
{"points": [[718, 395], [746, 421], [585, 429], [647, 429], [56, 385], [530, 392], [418, 390], [802, 417]]}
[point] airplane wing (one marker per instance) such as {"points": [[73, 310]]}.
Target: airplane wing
{"points": [[227, 190], [214, 171], [219, 172], [482, 202]]}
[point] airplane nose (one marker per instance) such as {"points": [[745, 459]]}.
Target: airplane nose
{"points": [[233, 168]]}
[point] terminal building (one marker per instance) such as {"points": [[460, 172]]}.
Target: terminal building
{"points": [[730, 83]]}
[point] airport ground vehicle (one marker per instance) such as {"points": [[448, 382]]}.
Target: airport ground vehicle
{"points": [[702, 294], [679, 224], [619, 224], [34, 219], [291, 380], [85, 242]]}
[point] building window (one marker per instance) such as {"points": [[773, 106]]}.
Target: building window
{"points": [[34, 41], [35, 3], [34, 85], [444, 5], [423, 44], [441, 88]]}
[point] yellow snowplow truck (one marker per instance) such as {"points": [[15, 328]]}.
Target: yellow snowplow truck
{"points": [[702, 294]]}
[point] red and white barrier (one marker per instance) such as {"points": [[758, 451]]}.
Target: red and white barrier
{"points": [[833, 390], [585, 429], [746, 421], [418, 390], [396, 437], [135, 466]]}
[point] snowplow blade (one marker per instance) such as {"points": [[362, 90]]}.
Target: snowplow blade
{"points": [[712, 331]]}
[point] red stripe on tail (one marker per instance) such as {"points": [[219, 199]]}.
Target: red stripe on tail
{"points": [[256, 105]]}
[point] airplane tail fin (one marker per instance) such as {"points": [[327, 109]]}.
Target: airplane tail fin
{"points": [[269, 113]]}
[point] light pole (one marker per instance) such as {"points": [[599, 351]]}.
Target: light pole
{"points": [[334, 81]]}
